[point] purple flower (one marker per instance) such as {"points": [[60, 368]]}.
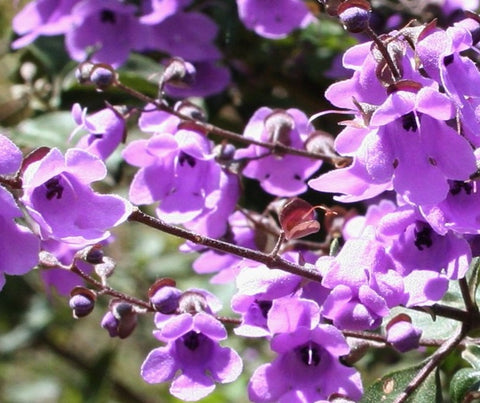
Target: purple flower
{"points": [[58, 196], [360, 225], [418, 154], [178, 170], [153, 120], [187, 35], [257, 287], [363, 283], [414, 245], [106, 130], [19, 248], [280, 175], [274, 19], [155, 11], [109, 27], [210, 78], [219, 204], [307, 368], [366, 86], [459, 212], [10, 156], [439, 52], [192, 348], [353, 182], [42, 17]]}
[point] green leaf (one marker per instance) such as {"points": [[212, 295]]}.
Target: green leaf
{"points": [[471, 354], [52, 130], [389, 387], [464, 381]]}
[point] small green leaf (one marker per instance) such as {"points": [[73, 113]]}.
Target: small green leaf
{"points": [[51, 129], [389, 387], [464, 381], [334, 247], [471, 354]]}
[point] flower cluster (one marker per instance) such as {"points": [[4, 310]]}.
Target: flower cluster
{"points": [[108, 31], [410, 153]]}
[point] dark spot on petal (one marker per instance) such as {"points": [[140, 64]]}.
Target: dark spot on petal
{"points": [[264, 307], [54, 188], [395, 163], [423, 236], [107, 16], [409, 122], [183, 157], [432, 161], [191, 340], [309, 354], [457, 186], [448, 60], [297, 177]]}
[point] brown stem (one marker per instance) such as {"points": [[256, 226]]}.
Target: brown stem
{"points": [[272, 262], [444, 311], [384, 51], [433, 362], [378, 338], [227, 134], [110, 291]]}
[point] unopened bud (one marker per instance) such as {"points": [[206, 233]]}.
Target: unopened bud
{"points": [[279, 125], [402, 335], [121, 320], [354, 15], [103, 76], [179, 73], [82, 301], [106, 268], [192, 302], [224, 153], [83, 71], [163, 296], [191, 110]]}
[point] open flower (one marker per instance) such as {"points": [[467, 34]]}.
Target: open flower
{"points": [[192, 348], [58, 196]]}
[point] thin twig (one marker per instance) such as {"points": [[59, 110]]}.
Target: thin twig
{"points": [[277, 147], [434, 361], [272, 262]]}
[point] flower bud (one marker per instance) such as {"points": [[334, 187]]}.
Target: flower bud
{"points": [[83, 71], [103, 76], [192, 302], [121, 320], [82, 301], [224, 152], [106, 268], [191, 110], [178, 73], [279, 124], [402, 335], [166, 299], [163, 296], [354, 15]]}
